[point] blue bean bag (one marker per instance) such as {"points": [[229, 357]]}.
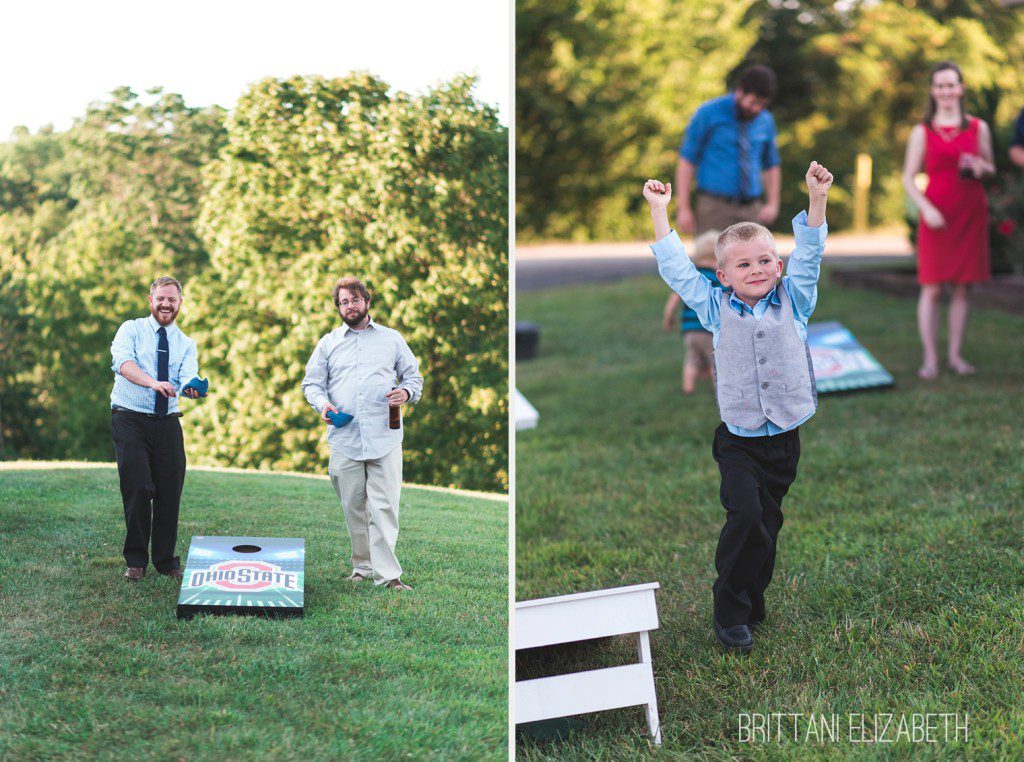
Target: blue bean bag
{"points": [[340, 419], [201, 385]]}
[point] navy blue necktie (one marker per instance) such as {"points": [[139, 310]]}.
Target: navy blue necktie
{"points": [[163, 352], [744, 154]]}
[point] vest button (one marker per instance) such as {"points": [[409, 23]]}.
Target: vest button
{"points": [[760, 334], [764, 385], [762, 360], [767, 411]]}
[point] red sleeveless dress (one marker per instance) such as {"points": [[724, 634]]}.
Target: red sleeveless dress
{"points": [[957, 253]]}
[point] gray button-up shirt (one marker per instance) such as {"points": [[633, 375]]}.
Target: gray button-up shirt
{"points": [[354, 371]]}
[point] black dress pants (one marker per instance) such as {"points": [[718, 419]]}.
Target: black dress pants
{"points": [[151, 466], [756, 475]]}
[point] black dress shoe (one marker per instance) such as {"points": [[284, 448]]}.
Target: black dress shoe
{"points": [[736, 637]]}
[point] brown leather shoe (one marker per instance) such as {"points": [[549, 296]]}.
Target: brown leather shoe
{"points": [[176, 573], [134, 573]]}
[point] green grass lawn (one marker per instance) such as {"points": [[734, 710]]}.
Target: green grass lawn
{"points": [[899, 586], [92, 666]]}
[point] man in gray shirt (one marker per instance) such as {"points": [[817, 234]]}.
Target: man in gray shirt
{"points": [[363, 369]]}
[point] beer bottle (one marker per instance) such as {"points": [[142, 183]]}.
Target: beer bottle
{"points": [[394, 416]]}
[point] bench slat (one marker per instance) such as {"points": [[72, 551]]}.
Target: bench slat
{"points": [[580, 692], [575, 618], [589, 594]]}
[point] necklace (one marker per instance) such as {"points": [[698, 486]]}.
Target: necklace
{"points": [[948, 133]]}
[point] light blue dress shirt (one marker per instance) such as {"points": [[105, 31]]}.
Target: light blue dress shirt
{"points": [[354, 371], [801, 282], [136, 340]]}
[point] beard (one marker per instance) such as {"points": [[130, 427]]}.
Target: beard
{"points": [[162, 317], [352, 319]]}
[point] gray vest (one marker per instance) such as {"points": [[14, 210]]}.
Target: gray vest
{"points": [[763, 368]]}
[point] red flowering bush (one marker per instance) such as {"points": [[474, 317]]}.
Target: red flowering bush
{"points": [[1006, 221]]}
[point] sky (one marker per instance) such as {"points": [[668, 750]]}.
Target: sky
{"points": [[57, 57]]}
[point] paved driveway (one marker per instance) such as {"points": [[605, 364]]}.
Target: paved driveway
{"points": [[559, 265]]}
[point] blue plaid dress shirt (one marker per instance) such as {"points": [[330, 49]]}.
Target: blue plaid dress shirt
{"points": [[136, 340]]}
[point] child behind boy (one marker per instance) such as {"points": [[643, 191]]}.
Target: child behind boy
{"points": [[697, 357], [764, 384]]}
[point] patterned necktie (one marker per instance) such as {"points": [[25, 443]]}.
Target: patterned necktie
{"points": [[163, 352], [744, 152]]}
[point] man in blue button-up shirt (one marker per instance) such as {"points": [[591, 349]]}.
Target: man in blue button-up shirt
{"points": [[153, 359], [730, 148]]}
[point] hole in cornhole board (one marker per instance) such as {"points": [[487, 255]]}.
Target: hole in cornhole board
{"points": [[247, 549]]}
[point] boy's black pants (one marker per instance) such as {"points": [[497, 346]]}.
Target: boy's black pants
{"points": [[756, 475], [151, 466]]}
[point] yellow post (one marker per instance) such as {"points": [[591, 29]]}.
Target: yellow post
{"points": [[862, 185]]}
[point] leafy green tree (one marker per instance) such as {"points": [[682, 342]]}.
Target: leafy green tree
{"points": [[33, 208], [317, 178], [89, 218], [604, 90], [854, 79], [326, 177]]}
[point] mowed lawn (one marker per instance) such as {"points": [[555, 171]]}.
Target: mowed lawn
{"points": [[92, 666], [899, 586]]}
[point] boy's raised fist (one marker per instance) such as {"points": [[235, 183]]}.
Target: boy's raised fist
{"points": [[818, 179], [657, 193]]}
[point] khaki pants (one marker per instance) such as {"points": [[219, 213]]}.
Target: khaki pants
{"points": [[700, 350], [715, 214], [369, 491]]}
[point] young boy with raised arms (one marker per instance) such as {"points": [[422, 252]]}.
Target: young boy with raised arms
{"points": [[764, 383]]}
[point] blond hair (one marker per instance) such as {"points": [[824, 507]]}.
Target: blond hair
{"points": [[704, 246], [742, 232], [164, 280]]}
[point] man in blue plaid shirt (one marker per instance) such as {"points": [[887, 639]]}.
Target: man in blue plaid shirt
{"points": [[152, 360]]}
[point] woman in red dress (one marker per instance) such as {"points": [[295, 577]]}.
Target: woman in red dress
{"points": [[955, 151]]}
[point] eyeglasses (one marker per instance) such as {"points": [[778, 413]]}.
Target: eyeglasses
{"points": [[345, 302]]}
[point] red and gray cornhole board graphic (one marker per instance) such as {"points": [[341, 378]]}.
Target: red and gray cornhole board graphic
{"points": [[264, 576], [841, 364]]}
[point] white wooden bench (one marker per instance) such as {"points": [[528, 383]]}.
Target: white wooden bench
{"points": [[597, 614]]}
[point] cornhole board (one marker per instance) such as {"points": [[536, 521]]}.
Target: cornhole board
{"points": [[583, 616], [262, 576], [840, 363], [525, 413]]}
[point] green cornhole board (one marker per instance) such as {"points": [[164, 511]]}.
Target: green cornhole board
{"points": [[841, 364], [262, 576]]}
